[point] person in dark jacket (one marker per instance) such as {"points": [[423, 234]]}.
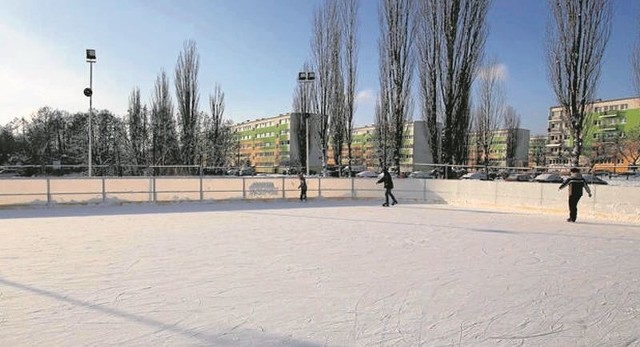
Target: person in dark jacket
{"points": [[388, 186], [576, 184], [302, 187]]}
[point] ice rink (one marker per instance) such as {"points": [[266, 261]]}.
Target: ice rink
{"points": [[321, 273]]}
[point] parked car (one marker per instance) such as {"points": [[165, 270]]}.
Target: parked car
{"points": [[514, 177], [421, 174], [9, 173], [354, 170], [367, 174], [290, 171], [245, 171], [548, 178], [591, 179], [474, 176]]}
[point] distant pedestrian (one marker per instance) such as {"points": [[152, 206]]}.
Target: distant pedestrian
{"points": [[576, 184], [302, 187], [388, 186]]}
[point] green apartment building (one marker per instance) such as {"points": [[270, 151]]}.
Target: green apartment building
{"points": [[608, 121], [273, 144], [499, 150]]}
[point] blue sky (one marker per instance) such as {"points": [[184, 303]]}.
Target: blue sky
{"points": [[252, 48]]}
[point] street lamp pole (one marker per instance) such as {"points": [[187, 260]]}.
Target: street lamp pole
{"points": [[306, 119], [306, 77], [91, 58]]}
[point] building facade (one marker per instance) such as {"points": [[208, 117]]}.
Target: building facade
{"points": [[272, 144], [275, 144], [606, 122], [509, 148]]}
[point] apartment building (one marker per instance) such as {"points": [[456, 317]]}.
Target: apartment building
{"points": [[500, 152], [606, 122], [272, 144], [415, 152]]}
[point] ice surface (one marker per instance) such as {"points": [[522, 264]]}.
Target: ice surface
{"points": [[321, 273]]}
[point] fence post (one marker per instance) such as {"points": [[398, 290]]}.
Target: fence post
{"points": [[319, 187], [48, 191], [353, 189], [201, 193], [104, 192], [283, 189], [244, 190], [424, 190], [153, 190]]}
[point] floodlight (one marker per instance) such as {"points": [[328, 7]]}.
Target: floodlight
{"points": [[91, 54]]}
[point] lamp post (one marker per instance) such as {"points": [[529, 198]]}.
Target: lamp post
{"points": [[91, 58], [237, 136], [306, 77]]}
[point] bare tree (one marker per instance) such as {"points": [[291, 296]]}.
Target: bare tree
{"points": [[382, 136], [164, 138], [138, 125], [428, 44], [452, 38], [576, 40], [326, 22], [489, 113], [337, 126], [396, 67], [187, 95], [512, 126], [629, 147], [215, 132], [538, 151], [350, 25], [304, 106], [635, 62]]}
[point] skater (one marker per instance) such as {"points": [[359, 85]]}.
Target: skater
{"points": [[388, 186], [303, 187], [576, 183]]}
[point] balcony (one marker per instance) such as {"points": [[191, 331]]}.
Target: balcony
{"points": [[609, 114], [609, 128]]}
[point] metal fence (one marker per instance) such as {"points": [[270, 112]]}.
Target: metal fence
{"points": [[88, 190], [438, 171]]}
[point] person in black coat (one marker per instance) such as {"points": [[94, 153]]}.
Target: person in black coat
{"points": [[302, 187], [576, 184], [388, 186]]}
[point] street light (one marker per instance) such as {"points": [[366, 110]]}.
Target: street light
{"points": [[91, 58], [306, 77]]}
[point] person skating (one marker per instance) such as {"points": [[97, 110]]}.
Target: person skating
{"points": [[576, 184], [388, 186], [302, 187]]}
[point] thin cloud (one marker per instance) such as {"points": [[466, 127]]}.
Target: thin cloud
{"points": [[498, 70], [367, 96]]}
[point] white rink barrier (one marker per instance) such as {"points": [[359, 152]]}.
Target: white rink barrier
{"points": [[610, 202]]}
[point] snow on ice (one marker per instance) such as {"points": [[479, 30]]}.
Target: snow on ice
{"points": [[322, 273]]}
